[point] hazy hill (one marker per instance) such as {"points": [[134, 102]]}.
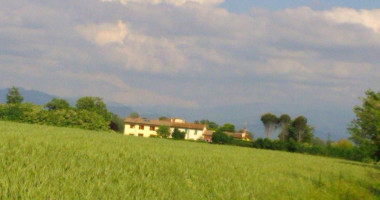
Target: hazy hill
{"points": [[33, 96], [41, 98]]}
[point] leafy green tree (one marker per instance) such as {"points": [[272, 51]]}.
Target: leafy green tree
{"points": [[219, 137], [117, 124], [308, 135], [163, 131], [300, 124], [134, 115], [14, 96], [228, 128], [93, 104], [270, 121], [90, 120], [210, 124], [318, 142], [343, 144], [13, 112], [163, 118], [57, 104], [300, 132], [178, 135], [284, 122], [30, 112], [365, 128], [2, 111]]}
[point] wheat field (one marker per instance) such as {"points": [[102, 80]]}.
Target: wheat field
{"points": [[43, 162]]}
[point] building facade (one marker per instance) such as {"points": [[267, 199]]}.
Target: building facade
{"points": [[146, 127]]}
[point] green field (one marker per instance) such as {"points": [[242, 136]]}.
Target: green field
{"points": [[42, 162]]}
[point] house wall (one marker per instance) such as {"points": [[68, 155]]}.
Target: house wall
{"points": [[136, 131], [191, 134]]}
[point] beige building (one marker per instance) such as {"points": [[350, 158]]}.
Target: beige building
{"points": [[146, 127]]}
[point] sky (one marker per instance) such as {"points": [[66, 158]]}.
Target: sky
{"points": [[223, 59], [245, 5]]}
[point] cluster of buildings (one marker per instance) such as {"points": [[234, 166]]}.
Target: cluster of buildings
{"points": [[148, 127]]}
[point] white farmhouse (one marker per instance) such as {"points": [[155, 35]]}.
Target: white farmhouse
{"points": [[146, 127]]}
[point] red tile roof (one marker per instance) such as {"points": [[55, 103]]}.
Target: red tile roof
{"points": [[157, 122]]}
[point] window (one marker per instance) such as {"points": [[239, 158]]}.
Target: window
{"points": [[131, 134], [141, 127], [132, 126], [152, 128], [196, 131], [141, 135]]}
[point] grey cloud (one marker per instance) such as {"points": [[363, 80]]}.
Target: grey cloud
{"points": [[190, 55]]}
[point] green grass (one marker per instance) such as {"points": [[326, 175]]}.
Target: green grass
{"points": [[42, 162]]}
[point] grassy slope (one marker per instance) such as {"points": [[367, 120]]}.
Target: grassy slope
{"points": [[41, 162]]}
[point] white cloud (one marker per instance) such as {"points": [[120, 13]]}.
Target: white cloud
{"points": [[366, 18], [135, 50], [192, 55], [105, 33], [186, 53]]}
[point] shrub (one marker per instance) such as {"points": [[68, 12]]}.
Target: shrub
{"points": [[13, 112], [163, 131], [293, 146], [219, 137], [279, 145], [178, 135], [241, 143]]}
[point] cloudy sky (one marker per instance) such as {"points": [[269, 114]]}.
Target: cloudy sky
{"points": [[285, 55]]}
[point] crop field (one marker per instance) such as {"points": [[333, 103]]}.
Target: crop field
{"points": [[43, 162]]}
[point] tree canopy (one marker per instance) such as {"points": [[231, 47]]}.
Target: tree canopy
{"points": [[134, 115], [270, 121], [93, 104], [284, 119], [14, 96], [163, 118], [284, 122], [210, 124], [365, 128], [228, 128], [57, 104], [300, 124], [178, 135], [163, 131], [219, 137]]}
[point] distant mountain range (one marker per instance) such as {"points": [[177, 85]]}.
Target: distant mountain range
{"points": [[41, 98], [33, 96]]}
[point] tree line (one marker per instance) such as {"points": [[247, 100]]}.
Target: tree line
{"points": [[297, 129], [298, 136], [295, 135], [89, 113]]}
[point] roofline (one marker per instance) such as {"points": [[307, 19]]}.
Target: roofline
{"points": [[171, 125]]}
